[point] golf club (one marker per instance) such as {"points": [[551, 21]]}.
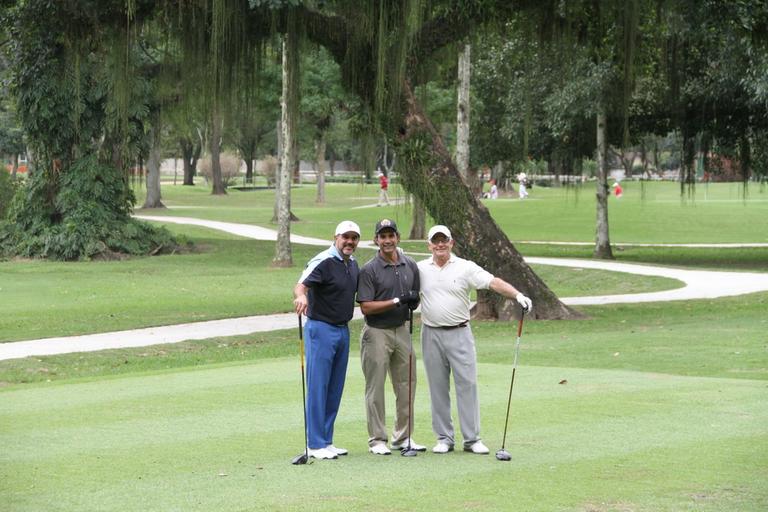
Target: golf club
{"points": [[503, 454], [408, 451], [304, 457]]}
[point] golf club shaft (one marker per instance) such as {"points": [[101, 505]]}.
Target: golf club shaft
{"points": [[303, 387], [410, 375], [512, 383]]}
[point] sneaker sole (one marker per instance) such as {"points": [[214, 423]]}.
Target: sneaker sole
{"points": [[476, 453], [450, 449]]}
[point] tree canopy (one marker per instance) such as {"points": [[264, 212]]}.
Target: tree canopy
{"points": [[90, 76]]}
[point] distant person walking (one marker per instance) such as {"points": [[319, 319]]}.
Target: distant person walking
{"points": [[494, 192], [617, 190], [325, 293], [383, 190], [447, 344], [522, 189], [387, 289]]}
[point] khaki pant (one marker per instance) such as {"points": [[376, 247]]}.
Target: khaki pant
{"points": [[385, 351]]}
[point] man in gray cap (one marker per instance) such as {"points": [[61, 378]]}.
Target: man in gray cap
{"points": [[388, 287], [447, 343]]}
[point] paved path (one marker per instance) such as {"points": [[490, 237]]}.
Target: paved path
{"points": [[698, 284]]}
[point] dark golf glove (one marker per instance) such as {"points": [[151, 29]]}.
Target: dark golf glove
{"points": [[410, 298]]}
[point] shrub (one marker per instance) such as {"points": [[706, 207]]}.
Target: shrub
{"points": [[269, 167], [88, 218], [230, 167]]}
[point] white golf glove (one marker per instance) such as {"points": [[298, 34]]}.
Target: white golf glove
{"points": [[525, 302]]}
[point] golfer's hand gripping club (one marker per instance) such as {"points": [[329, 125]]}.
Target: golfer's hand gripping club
{"points": [[524, 302], [410, 299]]}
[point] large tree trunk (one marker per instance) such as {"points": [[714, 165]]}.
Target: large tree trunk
{"points": [[462, 114], [434, 179], [215, 147], [278, 173], [389, 159], [745, 158], [419, 224], [190, 152], [602, 239], [248, 159], [320, 168], [289, 106], [153, 199]]}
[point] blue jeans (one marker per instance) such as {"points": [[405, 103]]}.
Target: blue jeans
{"points": [[327, 348]]}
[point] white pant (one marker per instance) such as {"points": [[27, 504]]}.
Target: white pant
{"points": [[383, 197]]}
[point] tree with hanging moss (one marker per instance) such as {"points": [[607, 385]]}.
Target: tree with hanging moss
{"points": [[76, 202], [381, 48]]}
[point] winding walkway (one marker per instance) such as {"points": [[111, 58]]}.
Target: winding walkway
{"points": [[698, 284]]}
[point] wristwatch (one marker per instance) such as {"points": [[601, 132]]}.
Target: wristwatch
{"points": [[396, 302]]}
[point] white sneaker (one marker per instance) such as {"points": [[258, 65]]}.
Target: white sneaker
{"points": [[477, 447], [442, 447], [379, 449], [337, 451], [404, 446], [322, 453]]}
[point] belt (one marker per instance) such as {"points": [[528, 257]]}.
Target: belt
{"points": [[448, 327]]}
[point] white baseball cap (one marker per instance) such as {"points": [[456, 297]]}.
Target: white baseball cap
{"points": [[346, 226], [439, 229]]}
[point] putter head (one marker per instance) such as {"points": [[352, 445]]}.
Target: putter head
{"points": [[503, 455], [408, 452], [300, 459]]}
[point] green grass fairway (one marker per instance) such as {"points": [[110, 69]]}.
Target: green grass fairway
{"points": [[221, 438], [657, 407], [652, 212], [229, 277], [643, 408]]}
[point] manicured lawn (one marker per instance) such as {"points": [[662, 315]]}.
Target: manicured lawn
{"points": [[227, 277], [633, 409], [717, 214], [642, 407]]}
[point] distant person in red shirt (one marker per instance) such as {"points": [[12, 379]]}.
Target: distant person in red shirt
{"points": [[383, 185], [617, 191]]}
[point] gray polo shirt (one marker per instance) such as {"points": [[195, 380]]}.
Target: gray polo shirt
{"points": [[381, 280]]}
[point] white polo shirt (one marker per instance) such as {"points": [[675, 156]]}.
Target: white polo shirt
{"points": [[445, 290]]}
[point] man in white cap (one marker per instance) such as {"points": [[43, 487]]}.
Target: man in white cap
{"points": [[325, 293], [388, 288], [447, 343]]}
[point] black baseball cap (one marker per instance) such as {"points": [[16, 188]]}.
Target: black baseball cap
{"points": [[386, 224]]}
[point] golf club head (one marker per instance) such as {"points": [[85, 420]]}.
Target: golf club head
{"points": [[503, 455], [409, 452], [300, 459]]}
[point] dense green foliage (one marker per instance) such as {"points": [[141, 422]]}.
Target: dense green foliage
{"points": [[88, 217], [76, 203], [7, 189], [92, 77], [695, 69]]}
